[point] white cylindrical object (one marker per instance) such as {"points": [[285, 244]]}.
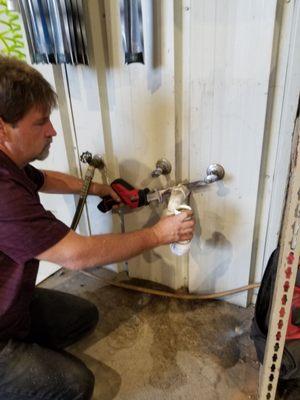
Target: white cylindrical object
{"points": [[183, 247]]}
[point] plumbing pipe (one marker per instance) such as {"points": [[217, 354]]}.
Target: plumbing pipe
{"points": [[177, 202], [178, 196]]}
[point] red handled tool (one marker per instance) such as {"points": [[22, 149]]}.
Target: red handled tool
{"points": [[130, 196], [135, 198]]}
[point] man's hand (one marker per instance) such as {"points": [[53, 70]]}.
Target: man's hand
{"points": [[175, 228], [101, 190]]}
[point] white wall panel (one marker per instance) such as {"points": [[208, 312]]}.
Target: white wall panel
{"points": [[86, 114], [202, 96], [142, 115], [230, 64]]}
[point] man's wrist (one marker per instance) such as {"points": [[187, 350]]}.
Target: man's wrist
{"points": [[95, 189], [152, 233]]}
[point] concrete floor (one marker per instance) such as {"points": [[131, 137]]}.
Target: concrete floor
{"points": [[147, 347]]}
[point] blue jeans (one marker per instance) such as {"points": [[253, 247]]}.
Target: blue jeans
{"points": [[38, 368]]}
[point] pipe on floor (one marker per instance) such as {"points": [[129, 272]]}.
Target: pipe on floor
{"points": [[164, 293]]}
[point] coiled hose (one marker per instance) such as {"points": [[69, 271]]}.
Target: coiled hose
{"points": [[83, 195]]}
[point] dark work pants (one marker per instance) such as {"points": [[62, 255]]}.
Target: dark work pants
{"points": [[38, 368]]}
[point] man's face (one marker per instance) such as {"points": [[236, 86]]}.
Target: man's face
{"points": [[30, 138]]}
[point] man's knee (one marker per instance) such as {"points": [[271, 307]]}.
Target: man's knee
{"points": [[78, 380], [82, 382], [31, 371], [92, 314], [65, 318]]}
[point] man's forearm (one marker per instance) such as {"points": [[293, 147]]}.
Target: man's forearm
{"points": [[80, 252], [111, 248], [58, 182]]}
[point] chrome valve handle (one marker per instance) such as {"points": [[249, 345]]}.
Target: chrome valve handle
{"points": [[215, 172], [95, 161]]}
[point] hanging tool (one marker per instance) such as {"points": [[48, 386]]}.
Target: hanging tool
{"points": [[55, 30], [134, 198], [132, 30]]}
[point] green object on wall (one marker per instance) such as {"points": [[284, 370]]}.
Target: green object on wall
{"points": [[11, 38]]}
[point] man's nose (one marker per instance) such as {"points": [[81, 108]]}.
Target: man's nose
{"points": [[50, 132]]}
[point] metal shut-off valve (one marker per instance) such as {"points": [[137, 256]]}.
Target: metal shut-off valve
{"points": [[162, 167], [95, 161], [214, 172]]}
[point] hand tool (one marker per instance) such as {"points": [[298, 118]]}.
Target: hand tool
{"points": [[135, 198]]}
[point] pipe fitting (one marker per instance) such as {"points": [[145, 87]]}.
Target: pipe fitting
{"points": [[178, 196]]}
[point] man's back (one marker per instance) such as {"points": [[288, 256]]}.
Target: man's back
{"points": [[20, 215]]}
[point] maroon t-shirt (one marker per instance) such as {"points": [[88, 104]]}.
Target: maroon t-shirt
{"points": [[26, 230]]}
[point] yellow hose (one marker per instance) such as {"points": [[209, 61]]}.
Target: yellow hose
{"points": [[164, 293]]}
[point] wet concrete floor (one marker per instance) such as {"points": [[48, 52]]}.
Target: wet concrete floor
{"points": [[148, 347]]}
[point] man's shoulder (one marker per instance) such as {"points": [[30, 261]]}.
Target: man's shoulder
{"points": [[13, 181], [17, 192], [7, 166], [29, 177]]}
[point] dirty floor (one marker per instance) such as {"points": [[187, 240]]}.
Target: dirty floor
{"points": [[154, 348]]}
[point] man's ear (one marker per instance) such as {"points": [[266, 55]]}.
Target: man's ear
{"points": [[3, 130]]}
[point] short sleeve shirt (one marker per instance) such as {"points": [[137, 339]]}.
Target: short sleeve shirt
{"points": [[26, 230]]}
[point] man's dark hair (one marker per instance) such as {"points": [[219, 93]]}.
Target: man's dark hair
{"points": [[21, 89]]}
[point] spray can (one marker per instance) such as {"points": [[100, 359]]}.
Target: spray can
{"points": [[182, 247]]}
